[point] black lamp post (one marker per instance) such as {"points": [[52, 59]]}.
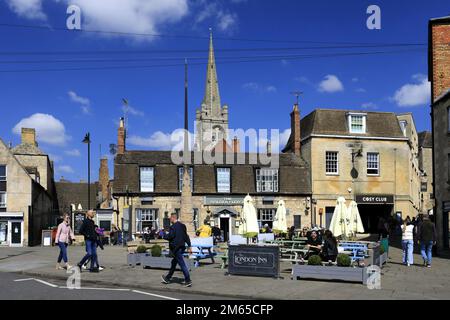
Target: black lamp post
{"points": [[87, 140]]}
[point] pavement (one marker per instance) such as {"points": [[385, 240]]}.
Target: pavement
{"points": [[397, 282]]}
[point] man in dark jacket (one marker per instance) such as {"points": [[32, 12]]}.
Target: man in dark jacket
{"points": [[427, 239], [87, 229], [178, 238]]}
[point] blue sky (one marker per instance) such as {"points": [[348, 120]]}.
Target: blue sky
{"points": [[64, 105]]}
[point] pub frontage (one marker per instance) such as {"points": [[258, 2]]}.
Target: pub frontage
{"points": [[148, 188]]}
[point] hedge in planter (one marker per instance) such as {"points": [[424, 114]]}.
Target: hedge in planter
{"points": [[315, 260], [156, 251], [134, 259], [343, 260]]}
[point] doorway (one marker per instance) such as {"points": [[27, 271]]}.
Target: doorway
{"points": [[329, 212], [16, 233], [371, 214], [225, 228]]}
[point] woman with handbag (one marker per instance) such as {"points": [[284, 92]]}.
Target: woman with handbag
{"points": [[64, 236]]}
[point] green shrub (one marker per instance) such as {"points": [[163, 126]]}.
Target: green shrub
{"points": [[156, 251], [315, 260], [343, 260], [141, 249]]}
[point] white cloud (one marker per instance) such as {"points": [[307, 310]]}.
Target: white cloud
{"points": [[161, 141], [271, 89], [73, 153], [369, 105], [130, 16], [130, 110], [256, 87], [55, 158], [29, 9], [361, 90], [84, 103], [225, 20], [48, 129], [355, 79], [331, 84], [64, 169], [413, 94]]}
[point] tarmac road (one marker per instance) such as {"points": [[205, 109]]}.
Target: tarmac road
{"points": [[20, 287]]}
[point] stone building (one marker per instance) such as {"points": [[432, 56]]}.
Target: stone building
{"points": [[28, 202], [364, 156], [150, 185], [439, 75], [426, 167]]}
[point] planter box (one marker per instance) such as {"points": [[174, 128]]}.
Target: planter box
{"points": [[161, 262], [330, 273], [134, 259], [383, 259]]}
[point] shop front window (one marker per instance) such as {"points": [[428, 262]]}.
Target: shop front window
{"points": [[3, 232]]}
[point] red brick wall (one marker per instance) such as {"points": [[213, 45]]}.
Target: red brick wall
{"points": [[295, 131], [440, 38]]}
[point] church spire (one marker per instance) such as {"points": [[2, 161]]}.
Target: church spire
{"points": [[211, 100]]}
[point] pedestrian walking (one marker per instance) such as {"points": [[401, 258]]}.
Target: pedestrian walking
{"points": [[90, 237], [178, 238], [427, 239], [408, 242], [64, 236]]}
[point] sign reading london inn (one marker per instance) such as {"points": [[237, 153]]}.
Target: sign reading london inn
{"points": [[254, 260], [224, 201], [374, 199]]}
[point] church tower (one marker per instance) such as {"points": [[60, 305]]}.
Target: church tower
{"points": [[211, 117]]}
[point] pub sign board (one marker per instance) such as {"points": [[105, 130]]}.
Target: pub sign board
{"points": [[78, 218], [253, 260], [374, 199]]}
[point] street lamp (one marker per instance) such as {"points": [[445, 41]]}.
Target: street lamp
{"points": [[87, 140]]}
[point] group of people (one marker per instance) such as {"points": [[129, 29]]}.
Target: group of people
{"points": [[320, 242], [206, 231], [92, 237], [421, 231], [176, 235]]}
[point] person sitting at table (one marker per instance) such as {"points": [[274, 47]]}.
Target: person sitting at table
{"points": [[314, 245], [330, 248], [205, 230], [304, 233]]}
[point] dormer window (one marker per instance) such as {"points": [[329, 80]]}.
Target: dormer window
{"points": [[403, 126], [357, 123]]}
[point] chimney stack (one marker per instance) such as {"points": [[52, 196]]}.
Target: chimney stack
{"points": [[295, 130], [236, 145], [121, 136], [103, 178], [269, 147], [29, 136]]}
